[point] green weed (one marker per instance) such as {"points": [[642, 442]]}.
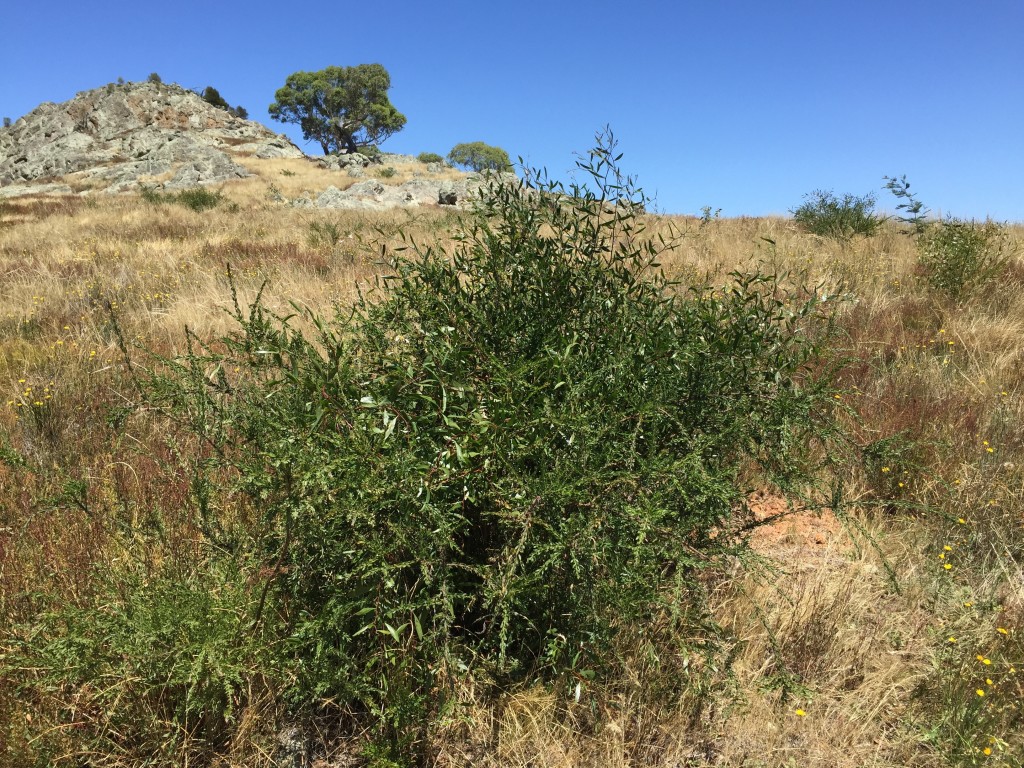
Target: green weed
{"points": [[525, 447], [958, 257], [822, 213]]}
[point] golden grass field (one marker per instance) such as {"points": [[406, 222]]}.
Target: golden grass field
{"points": [[891, 637]]}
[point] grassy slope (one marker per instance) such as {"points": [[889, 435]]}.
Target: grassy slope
{"points": [[862, 629]]}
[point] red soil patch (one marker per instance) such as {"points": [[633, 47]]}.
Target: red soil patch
{"points": [[789, 533]]}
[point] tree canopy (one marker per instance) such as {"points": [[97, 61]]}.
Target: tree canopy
{"points": [[343, 108], [478, 156]]}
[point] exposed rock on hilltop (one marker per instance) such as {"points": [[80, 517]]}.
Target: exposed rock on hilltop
{"points": [[114, 136], [372, 195], [119, 137]]}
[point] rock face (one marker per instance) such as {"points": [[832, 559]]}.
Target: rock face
{"points": [[120, 133], [374, 196]]}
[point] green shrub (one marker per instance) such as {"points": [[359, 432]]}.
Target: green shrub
{"points": [[957, 256], [387, 172], [525, 448], [197, 198], [150, 195], [212, 97], [154, 78], [822, 213], [157, 665], [371, 151], [429, 157], [477, 156], [324, 234]]}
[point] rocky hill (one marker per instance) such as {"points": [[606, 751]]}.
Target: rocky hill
{"points": [[110, 138], [120, 137]]}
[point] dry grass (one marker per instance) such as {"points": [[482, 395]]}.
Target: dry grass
{"points": [[852, 631], [302, 177]]}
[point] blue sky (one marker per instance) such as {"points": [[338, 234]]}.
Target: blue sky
{"points": [[741, 105]]}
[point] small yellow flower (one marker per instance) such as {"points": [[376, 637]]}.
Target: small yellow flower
{"points": [[885, 469], [987, 751], [987, 663], [800, 713], [951, 639], [961, 521], [1002, 631], [947, 566], [980, 693], [968, 605], [947, 548]]}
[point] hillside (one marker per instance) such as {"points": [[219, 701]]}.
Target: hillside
{"points": [[113, 137], [312, 478], [122, 138]]}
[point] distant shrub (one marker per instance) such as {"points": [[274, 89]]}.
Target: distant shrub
{"points": [[153, 78], [822, 213], [387, 172], [151, 195], [7, 122], [477, 156], [197, 198], [957, 256], [370, 150], [324, 234], [212, 96], [429, 157]]}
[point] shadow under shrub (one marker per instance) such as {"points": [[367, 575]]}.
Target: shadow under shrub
{"points": [[519, 454]]}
